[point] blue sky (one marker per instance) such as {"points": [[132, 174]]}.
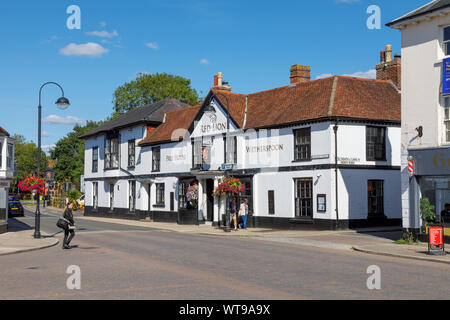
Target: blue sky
{"points": [[253, 43]]}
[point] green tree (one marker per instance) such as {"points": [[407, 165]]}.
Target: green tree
{"points": [[68, 154], [25, 156], [151, 88]]}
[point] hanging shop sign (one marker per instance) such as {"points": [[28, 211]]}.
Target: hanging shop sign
{"points": [[430, 162], [446, 76]]}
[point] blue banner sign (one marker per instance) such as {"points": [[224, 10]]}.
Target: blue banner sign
{"points": [[446, 76]]}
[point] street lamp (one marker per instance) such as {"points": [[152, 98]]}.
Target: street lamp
{"points": [[210, 109], [62, 103]]}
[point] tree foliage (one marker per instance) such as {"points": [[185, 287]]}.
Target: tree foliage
{"points": [[151, 88], [68, 154], [25, 156]]}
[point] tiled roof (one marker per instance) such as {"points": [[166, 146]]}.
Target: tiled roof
{"points": [[173, 129], [145, 114], [334, 97], [3, 132], [428, 8]]}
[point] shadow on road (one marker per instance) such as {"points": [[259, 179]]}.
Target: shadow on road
{"points": [[17, 226]]}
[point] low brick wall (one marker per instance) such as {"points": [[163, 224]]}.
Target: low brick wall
{"points": [[3, 228]]}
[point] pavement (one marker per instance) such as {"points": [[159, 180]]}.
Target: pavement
{"points": [[379, 241], [23, 241]]}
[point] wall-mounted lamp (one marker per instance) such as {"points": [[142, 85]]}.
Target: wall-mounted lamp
{"points": [[420, 131]]}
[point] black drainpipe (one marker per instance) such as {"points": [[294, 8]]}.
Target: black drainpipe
{"points": [[335, 128]]}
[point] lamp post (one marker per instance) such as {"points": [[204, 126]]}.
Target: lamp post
{"points": [[211, 110], [62, 103]]}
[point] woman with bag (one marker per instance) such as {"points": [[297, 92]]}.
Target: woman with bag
{"points": [[243, 213], [69, 230]]}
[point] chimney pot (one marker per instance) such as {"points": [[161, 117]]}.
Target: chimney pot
{"points": [[220, 79], [300, 74], [390, 69], [388, 53], [382, 56]]}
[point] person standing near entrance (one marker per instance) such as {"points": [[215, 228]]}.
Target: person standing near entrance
{"points": [[69, 233], [243, 213], [233, 212]]}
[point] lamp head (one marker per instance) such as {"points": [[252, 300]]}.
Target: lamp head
{"points": [[63, 103]]}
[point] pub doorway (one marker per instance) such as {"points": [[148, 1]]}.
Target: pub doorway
{"points": [[209, 200]]}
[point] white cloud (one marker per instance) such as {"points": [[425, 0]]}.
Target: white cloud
{"points": [[46, 134], [90, 49], [103, 34], [52, 38], [152, 45], [370, 74], [69, 120], [103, 24], [48, 148], [204, 61], [324, 75]]}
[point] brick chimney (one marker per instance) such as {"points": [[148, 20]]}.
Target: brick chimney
{"points": [[389, 69], [219, 84], [300, 74]]}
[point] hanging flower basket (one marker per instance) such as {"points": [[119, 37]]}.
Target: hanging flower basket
{"points": [[230, 185], [31, 184], [192, 195]]}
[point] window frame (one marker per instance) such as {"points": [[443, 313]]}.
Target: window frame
{"points": [[160, 197], [299, 145], [95, 159], [378, 214], [132, 153], [197, 154], [271, 202], [95, 195], [233, 148], [111, 196], [10, 156], [304, 198], [110, 160], [156, 161], [132, 189], [445, 42], [375, 144], [446, 119]]}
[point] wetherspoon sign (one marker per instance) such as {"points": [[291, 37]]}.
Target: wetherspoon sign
{"points": [[446, 76]]}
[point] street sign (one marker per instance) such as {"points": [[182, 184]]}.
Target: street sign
{"points": [[436, 244], [49, 176], [227, 167]]}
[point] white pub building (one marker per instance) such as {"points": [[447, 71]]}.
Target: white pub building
{"points": [[322, 153], [6, 175]]}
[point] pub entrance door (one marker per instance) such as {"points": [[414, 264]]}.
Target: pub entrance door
{"points": [[209, 200]]}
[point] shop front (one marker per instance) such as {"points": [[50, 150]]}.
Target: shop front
{"points": [[431, 181]]}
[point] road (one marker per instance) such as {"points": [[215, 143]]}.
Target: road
{"points": [[123, 262]]}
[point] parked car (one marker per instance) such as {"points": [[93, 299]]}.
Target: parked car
{"points": [[15, 209], [13, 197]]}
